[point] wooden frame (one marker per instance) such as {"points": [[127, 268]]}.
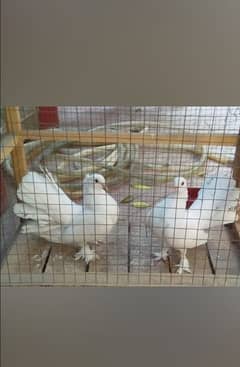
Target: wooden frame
{"points": [[8, 143], [120, 280], [14, 127], [13, 143], [92, 138], [236, 164]]}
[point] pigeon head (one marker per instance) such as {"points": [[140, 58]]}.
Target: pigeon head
{"points": [[180, 182], [95, 181]]}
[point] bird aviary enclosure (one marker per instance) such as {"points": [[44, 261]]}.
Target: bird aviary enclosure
{"points": [[173, 178]]}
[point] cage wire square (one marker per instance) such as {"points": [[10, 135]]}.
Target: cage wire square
{"points": [[139, 173]]}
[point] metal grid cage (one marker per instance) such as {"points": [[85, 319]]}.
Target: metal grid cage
{"points": [[169, 216]]}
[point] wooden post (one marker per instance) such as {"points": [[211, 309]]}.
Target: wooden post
{"points": [[236, 176], [236, 164], [3, 193], [14, 127]]}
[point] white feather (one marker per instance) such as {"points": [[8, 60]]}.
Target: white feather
{"points": [[44, 197], [27, 211], [55, 217], [215, 205], [169, 209]]}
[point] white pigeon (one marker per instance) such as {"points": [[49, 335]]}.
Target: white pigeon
{"points": [[216, 205], [165, 213], [168, 208], [54, 217]]}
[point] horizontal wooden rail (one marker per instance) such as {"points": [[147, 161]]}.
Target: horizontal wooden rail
{"points": [[8, 143], [92, 138], [120, 280]]}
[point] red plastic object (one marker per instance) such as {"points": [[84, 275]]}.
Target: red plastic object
{"points": [[3, 194], [192, 195], [48, 117]]}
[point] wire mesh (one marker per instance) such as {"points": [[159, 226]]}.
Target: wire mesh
{"points": [[145, 230]]}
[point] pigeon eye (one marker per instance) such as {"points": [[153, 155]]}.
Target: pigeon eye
{"points": [[96, 180], [182, 183]]}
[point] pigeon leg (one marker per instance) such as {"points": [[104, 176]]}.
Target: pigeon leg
{"points": [[184, 263], [86, 254], [162, 255]]}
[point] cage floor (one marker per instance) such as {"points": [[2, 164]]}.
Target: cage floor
{"points": [[128, 250]]}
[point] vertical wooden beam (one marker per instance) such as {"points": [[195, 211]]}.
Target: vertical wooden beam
{"points": [[236, 164], [3, 193], [14, 127], [236, 176]]}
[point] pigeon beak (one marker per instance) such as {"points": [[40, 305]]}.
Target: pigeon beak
{"points": [[104, 186]]}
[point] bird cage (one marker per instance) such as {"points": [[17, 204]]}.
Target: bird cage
{"points": [[169, 215]]}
